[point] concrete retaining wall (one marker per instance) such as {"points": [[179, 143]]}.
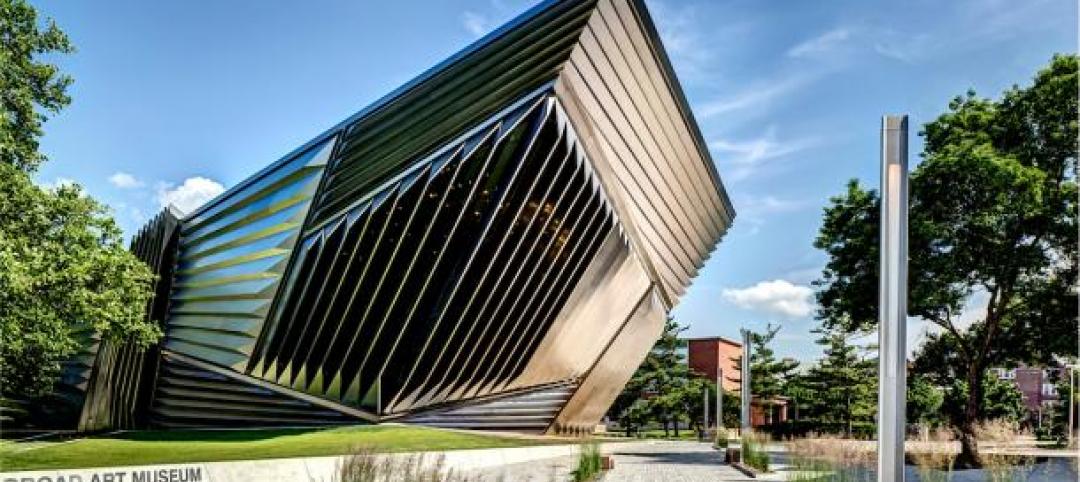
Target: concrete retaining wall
{"points": [[304, 469]]}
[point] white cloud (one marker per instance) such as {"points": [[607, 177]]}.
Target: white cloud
{"points": [[821, 45], [475, 23], [124, 180], [747, 156], [189, 195], [777, 296], [754, 211], [755, 97]]}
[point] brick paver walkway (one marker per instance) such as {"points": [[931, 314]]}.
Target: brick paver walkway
{"points": [[634, 462], [671, 461]]}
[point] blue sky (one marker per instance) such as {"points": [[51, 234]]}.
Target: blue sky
{"points": [[174, 101]]}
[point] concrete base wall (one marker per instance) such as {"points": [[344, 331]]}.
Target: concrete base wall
{"points": [[313, 469]]}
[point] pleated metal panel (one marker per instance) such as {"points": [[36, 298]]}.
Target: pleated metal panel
{"points": [[622, 355], [473, 85], [120, 376], [189, 395], [233, 253], [530, 411], [618, 88], [431, 288]]}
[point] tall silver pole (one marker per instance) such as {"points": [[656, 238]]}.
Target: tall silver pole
{"points": [[1072, 400], [705, 411], [892, 307], [720, 401], [745, 384]]}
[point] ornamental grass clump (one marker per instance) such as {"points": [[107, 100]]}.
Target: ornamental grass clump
{"points": [[364, 465], [831, 459], [934, 456], [753, 451], [589, 463], [995, 436]]}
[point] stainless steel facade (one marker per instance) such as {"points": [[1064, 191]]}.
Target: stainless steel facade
{"points": [[493, 245]]}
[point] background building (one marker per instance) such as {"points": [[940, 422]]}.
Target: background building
{"points": [[1038, 388], [495, 244], [706, 356]]}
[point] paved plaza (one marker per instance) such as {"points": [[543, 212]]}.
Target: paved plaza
{"points": [[637, 462]]}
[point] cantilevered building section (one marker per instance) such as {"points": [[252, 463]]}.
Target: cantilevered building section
{"points": [[493, 245]]}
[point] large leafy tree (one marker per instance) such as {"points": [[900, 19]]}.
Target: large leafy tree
{"points": [[993, 212], [64, 270], [30, 87]]}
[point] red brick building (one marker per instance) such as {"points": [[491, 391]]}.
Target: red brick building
{"points": [[707, 356]]}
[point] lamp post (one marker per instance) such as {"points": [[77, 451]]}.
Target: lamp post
{"points": [[1072, 401], [892, 306], [720, 401], [704, 412], [745, 384]]}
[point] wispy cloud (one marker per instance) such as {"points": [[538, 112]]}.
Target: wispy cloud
{"points": [[823, 44], [684, 39], [124, 180], [757, 97], [755, 211], [778, 296], [746, 157], [476, 23]]}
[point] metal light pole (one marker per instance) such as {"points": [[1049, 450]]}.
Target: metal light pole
{"points": [[1072, 401], [720, 401], [705, 411], [892, 307], [745, 384]]}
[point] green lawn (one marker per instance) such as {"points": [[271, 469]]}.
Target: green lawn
{"points": [[153, 447]]}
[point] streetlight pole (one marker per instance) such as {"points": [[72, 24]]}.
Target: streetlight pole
{"points": [[720, 402], [892, 307], [1072, 401], [704, 411], [744, 385]]}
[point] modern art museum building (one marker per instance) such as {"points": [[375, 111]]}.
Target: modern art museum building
{"points": [[495, 244]]}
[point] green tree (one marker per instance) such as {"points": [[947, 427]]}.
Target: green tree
{"points": [[924, 400], [993, 211], [768, 374], [30, 86], [845, 384], [1000, 400], [1059, 415], [64, 270]]}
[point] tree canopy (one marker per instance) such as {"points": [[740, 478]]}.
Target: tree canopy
{"points": [[844, 384], [992, 212], [65, 272], [31, 87]]}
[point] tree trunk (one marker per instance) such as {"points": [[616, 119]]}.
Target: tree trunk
{"points": [[666, 433], [969, 445]]}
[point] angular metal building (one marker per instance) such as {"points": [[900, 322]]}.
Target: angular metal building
{"points": [[495, 245]]}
